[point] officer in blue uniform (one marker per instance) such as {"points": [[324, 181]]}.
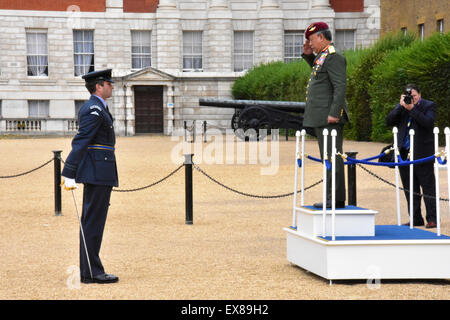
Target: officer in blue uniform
{"points": [[92, 162]]}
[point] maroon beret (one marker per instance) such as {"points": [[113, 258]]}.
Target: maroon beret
{"points": [[315, 27]]}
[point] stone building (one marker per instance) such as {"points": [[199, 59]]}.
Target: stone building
{"points": [[418, 16], [165, 55]]}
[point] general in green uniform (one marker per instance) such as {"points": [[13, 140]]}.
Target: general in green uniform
{"points": [[326, 106]]}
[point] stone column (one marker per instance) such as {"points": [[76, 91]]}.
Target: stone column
{"points": [[114, 5], [170, 106], [322, 11], [320, 4], [168, 37], [129, 111], [219, 36], [269, 32], [373, 22]]}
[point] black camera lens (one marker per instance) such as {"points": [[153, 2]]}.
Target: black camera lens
{"points": [[407, 99]]}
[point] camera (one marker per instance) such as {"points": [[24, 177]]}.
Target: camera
{"points": [[408, 98]]}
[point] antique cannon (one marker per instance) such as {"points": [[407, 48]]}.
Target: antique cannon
{"points": [[260, 114]]}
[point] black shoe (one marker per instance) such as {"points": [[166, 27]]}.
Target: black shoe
{"points": [[339, 204], [101, 278]]}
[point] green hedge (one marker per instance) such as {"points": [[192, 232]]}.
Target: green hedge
{"points": [[359, 81], [425, 63]]}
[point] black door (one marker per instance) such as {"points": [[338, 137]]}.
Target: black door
{"points": [[148, 104]]}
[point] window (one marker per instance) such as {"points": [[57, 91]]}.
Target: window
{"points": [[78, 105], [192, 50], [243, 50], [83, 48], [141, 49], [37, 52], [404, 30], [440, 26], [38, 108], [422, 31], [293, 46], [345, 39]]}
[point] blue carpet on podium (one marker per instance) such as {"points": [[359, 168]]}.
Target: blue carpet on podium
{"points": [[389, 232]]}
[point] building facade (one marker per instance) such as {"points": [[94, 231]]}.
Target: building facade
{"points": [[165, 55], [421, 17]]}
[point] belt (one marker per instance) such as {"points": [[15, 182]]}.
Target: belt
{"points": [[101, 147]]}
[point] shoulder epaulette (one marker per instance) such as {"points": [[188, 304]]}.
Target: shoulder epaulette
{"points": [[331, 50]]}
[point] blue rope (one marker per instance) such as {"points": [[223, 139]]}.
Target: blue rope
{"points": [[391, 164], [400, 162]]}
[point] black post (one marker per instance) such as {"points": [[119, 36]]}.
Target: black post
{"points": [[351, 177], [204, 131], [57, 180], [287, 134], [185, 131], [188, 187]]}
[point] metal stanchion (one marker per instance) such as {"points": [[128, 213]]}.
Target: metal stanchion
{"points": [[188, 188], [204, 132], [351, 178], [57, 180]]}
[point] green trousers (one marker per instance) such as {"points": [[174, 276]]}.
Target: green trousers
{"points": [[340, 171]]}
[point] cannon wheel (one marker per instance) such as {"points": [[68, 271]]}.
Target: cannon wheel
{"points": [[253, 118], [238, 131]]}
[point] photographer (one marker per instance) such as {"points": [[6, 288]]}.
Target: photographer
{"points": [[419, 114]]}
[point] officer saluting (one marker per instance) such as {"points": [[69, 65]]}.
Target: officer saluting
{"points": [[92, 162], [326, 107]]}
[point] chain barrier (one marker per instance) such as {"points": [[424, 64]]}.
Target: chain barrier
{"points": [[27, 172], [152, 184], [248, 194], [393, 185]]}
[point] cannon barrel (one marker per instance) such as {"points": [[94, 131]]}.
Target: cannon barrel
{"points": [[289, 106]]}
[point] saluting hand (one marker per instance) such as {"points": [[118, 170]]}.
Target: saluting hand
{"points": [[307, 48]]}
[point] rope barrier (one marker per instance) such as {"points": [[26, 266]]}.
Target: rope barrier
{"points": [[27, 172], [248, 194], [152, 184]]}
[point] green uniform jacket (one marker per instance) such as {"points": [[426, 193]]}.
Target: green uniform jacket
{"points": [[326, 89]]}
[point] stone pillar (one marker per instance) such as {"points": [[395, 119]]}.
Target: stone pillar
{"points": [[170, 106], [373, 22], [269, 32], [320, 4], [322, 11], [219, 36], [129, 111], [168, 37]]}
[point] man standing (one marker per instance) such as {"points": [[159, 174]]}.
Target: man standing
{"points": [[326, 106], [92, 162], [419, 114]]}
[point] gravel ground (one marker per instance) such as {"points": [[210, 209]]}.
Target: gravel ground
{"points": [[236, 248]]}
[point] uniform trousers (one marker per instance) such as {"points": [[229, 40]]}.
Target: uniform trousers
{"points": [[423, 177], [340, 172], [95, 209]]}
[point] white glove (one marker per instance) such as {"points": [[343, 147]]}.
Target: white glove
{"points": [[69, 184]]}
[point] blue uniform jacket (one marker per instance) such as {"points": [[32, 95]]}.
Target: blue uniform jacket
{"points": [[92, 159]]}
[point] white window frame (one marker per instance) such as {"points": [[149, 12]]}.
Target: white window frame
{"points": [[440, 26], [422, 31], [80, 66], [346, 36], [240, 62], [295, 44], [42, 107], [138, 53], [37, 53], [191, 52]]}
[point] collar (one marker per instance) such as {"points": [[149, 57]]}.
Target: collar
{"points": [[101, 99], [326, 48]]}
